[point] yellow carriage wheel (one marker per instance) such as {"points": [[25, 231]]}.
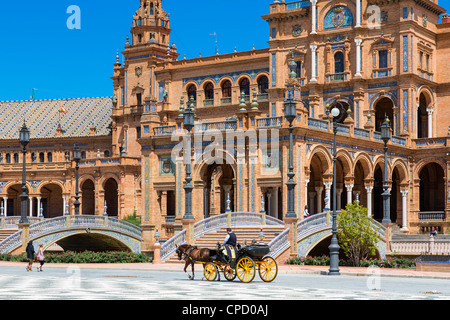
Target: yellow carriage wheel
{"points": [[268, 269], [246, 270], [210, 272], [229, 273]]}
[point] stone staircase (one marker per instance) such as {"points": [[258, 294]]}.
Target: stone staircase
{"points": [[245, 236], [5, 233]]}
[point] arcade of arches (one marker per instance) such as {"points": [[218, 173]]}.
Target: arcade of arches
{"points": [[51, 199]]}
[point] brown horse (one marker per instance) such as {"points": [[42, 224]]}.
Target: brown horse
{"points": [[191, 255]]}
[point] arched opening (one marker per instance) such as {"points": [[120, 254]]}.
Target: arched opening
{"points": [[377, 192], [94, 242], [13, 205], [226, 89], [52, 201], [422, 118], [219, 186], [432, 188], [192, 92], [316, 190], [396, 199], [263, 84], [112, 197], [384, 107], [339, 63], [244, 86], [88, 198], [209, 91]]}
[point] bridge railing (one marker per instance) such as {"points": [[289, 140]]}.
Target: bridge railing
{"points": [[279, 243], [237, 219], [11, 242], [171, 245], [65, 222], [217, 222]]}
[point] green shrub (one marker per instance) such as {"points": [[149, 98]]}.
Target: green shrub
{"points": [[84, 257]]}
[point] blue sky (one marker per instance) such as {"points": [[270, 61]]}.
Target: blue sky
{"points": [[39, 51]]}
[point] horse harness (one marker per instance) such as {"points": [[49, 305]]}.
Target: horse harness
{"points": [[187, 255]]}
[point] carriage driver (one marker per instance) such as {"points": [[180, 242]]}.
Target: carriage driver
{"points": [[229, 244]]}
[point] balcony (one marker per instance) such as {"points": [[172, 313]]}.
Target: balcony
{"points": [[164, 131], [136, 109], [336, 77], [431, 142], [272, 122]]}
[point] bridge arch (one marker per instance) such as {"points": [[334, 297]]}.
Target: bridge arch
{"points": [[78, 233]]}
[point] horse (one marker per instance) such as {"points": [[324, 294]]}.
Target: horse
{"points": [[191, 255]]}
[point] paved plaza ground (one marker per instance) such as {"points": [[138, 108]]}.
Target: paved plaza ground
{"points": [[168, 282]]}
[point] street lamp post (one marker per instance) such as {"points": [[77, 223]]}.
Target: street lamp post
{"points": [[77, 158], [290, 113], [386, 136], [24, 138], [334, 246], [188, 122]]}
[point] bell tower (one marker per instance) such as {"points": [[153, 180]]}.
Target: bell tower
{"points": [[136, 89], [151, 25]]}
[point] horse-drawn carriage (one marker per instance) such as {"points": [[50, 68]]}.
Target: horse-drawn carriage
{"points": [[244, 265]]}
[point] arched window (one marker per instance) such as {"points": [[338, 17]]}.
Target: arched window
{"points": [[16, 158], [209, 91], [339, 62], [244, 86], [192, 92], [263, 84], [41, 157], [422, 117], [8, 158], [151, 8], [384, 107], [226, 89], [49, 157]]}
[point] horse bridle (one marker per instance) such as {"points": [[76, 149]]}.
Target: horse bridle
{"points": [[186, 255]]}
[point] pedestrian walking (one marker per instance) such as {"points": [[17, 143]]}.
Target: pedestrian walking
{"points": [[40, 256], [30, 255], [306, 212], [433, 232]]}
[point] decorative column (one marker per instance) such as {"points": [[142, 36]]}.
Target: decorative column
{"points": [[306, 196], [5, 200], [339, 198], [313, 62], [358, 14], [38, 206], [312, 206], [328, 185], [31, 206], [404, 193], [369, 190], [430, 122], [319, 199], [358, 53], [314, 16], [349, 188]]}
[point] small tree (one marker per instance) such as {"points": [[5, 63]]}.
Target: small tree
{"points": [[356, 236]]}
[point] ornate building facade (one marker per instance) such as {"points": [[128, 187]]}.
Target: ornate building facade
{"points": [[370, 59]]}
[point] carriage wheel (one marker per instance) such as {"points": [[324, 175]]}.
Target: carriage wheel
{"points": [[268, 269], [246, 270], [229, 273], [210, 272]]}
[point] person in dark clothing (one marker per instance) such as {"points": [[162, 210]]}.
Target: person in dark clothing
{"points": [[30, 255], [229, 244]]}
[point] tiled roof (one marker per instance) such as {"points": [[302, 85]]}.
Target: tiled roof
{"points": [[43, 117]]}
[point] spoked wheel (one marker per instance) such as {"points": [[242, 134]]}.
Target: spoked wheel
{"points": [[210, 272], [229, 273], [246, 270], [268, 269]]}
